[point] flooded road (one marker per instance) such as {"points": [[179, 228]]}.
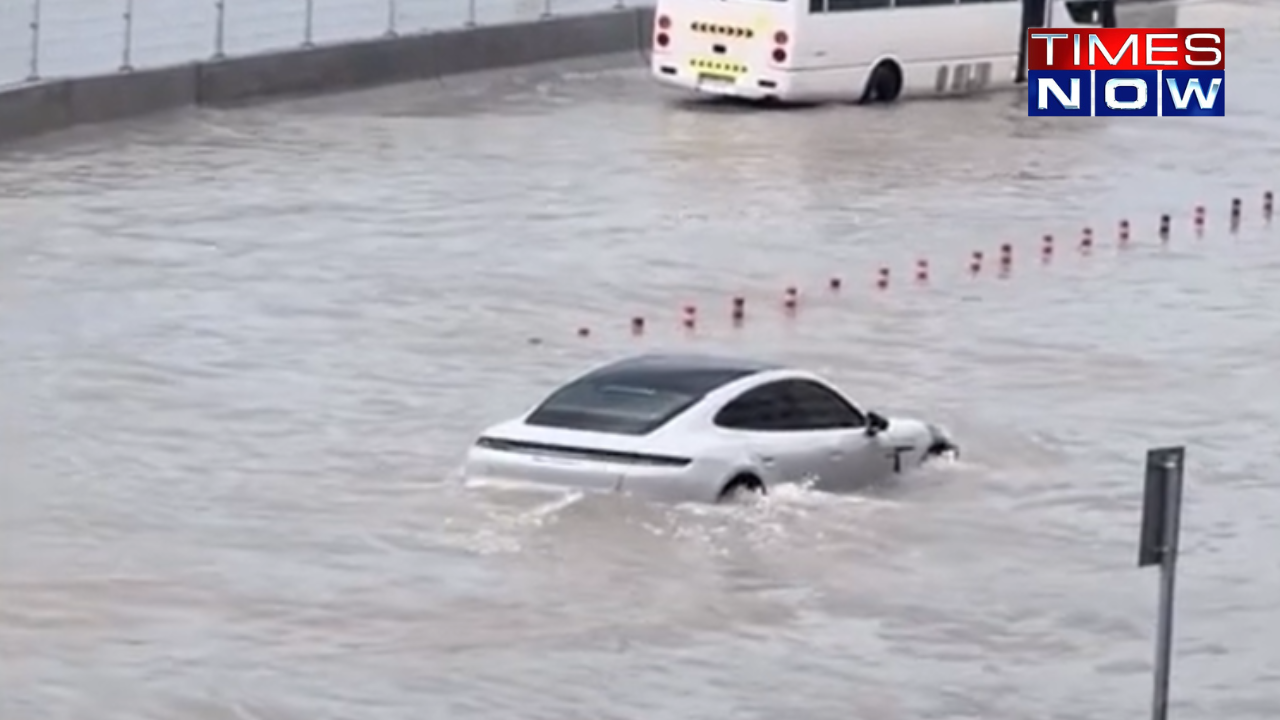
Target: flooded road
{"points": [[242, 351]]}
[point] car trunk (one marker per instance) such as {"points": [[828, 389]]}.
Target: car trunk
{"points": [[575, 458]]}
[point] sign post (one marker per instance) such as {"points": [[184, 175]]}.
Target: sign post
{"points": [[1161, 516]]}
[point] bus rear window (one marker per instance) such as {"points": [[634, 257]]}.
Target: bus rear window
{"points": [[610, 408]]}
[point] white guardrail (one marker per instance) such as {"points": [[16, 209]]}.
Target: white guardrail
{"points": [[42, 39]]}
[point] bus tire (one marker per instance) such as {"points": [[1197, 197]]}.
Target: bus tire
{"points": [[885, 83]]}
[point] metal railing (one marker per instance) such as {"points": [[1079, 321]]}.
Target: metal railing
{"points": [[42, 39]]}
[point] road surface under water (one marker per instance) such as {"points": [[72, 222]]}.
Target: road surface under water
{"points": [[242, 351]]}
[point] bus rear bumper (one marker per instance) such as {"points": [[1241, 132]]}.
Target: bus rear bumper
{"points": [[744, 87]]}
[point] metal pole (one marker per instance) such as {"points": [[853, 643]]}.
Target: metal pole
{"points": [[546, 9], [219, 29], [33, 72], [471, 13], [309, 24], [1168, 574], [393, 16], [1034, 14], [1108, 14], [126, 57]]}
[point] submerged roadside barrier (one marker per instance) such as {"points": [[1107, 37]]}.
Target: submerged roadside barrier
{"points": [[922, 272]]}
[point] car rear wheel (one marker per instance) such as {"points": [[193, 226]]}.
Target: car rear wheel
{"points": [[742, 488]]}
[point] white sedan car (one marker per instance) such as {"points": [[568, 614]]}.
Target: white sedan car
{"points": [[682, 428]]}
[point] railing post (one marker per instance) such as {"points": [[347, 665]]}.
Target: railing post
{"points": [[309, 24], [393, 18], [546, 9], [33, 71], [219, 29], [471, 13], [126, 55]]}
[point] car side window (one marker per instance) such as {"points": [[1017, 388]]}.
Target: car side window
{"points": [[794, 405], [818, 407], [767, 407]]}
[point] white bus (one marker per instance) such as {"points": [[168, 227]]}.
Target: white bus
{"points": [[853, 50]]}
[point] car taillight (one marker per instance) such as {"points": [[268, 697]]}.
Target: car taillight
{"points": [[662, 40], [780, 37], [779, 55], [622, 457], [664, 22]]}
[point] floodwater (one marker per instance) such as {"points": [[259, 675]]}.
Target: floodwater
{"points": [[242, 351]]}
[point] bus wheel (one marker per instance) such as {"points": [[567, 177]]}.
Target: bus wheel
{"points": [[885, 83]]}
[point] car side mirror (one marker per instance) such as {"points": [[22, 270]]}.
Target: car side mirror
{"points": [[876, 423]]}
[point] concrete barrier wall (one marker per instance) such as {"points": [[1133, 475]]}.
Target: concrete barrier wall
{"points": [[364, 64], [41, 107]]}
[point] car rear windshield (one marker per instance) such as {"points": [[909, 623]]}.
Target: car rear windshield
{"points": [[611, 408]]}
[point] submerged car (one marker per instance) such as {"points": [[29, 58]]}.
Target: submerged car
{"points": [[680, 428]]}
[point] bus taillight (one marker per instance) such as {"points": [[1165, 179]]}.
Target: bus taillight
{"points": [[780, 53], [662, 39]]}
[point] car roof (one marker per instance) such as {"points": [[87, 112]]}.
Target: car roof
{"points": [[692, 373]]}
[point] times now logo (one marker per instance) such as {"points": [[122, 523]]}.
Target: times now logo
{"points": [[1124, 71]]}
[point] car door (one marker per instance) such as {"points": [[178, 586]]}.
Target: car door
{"points": [[765, 419], [853, 458]]}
